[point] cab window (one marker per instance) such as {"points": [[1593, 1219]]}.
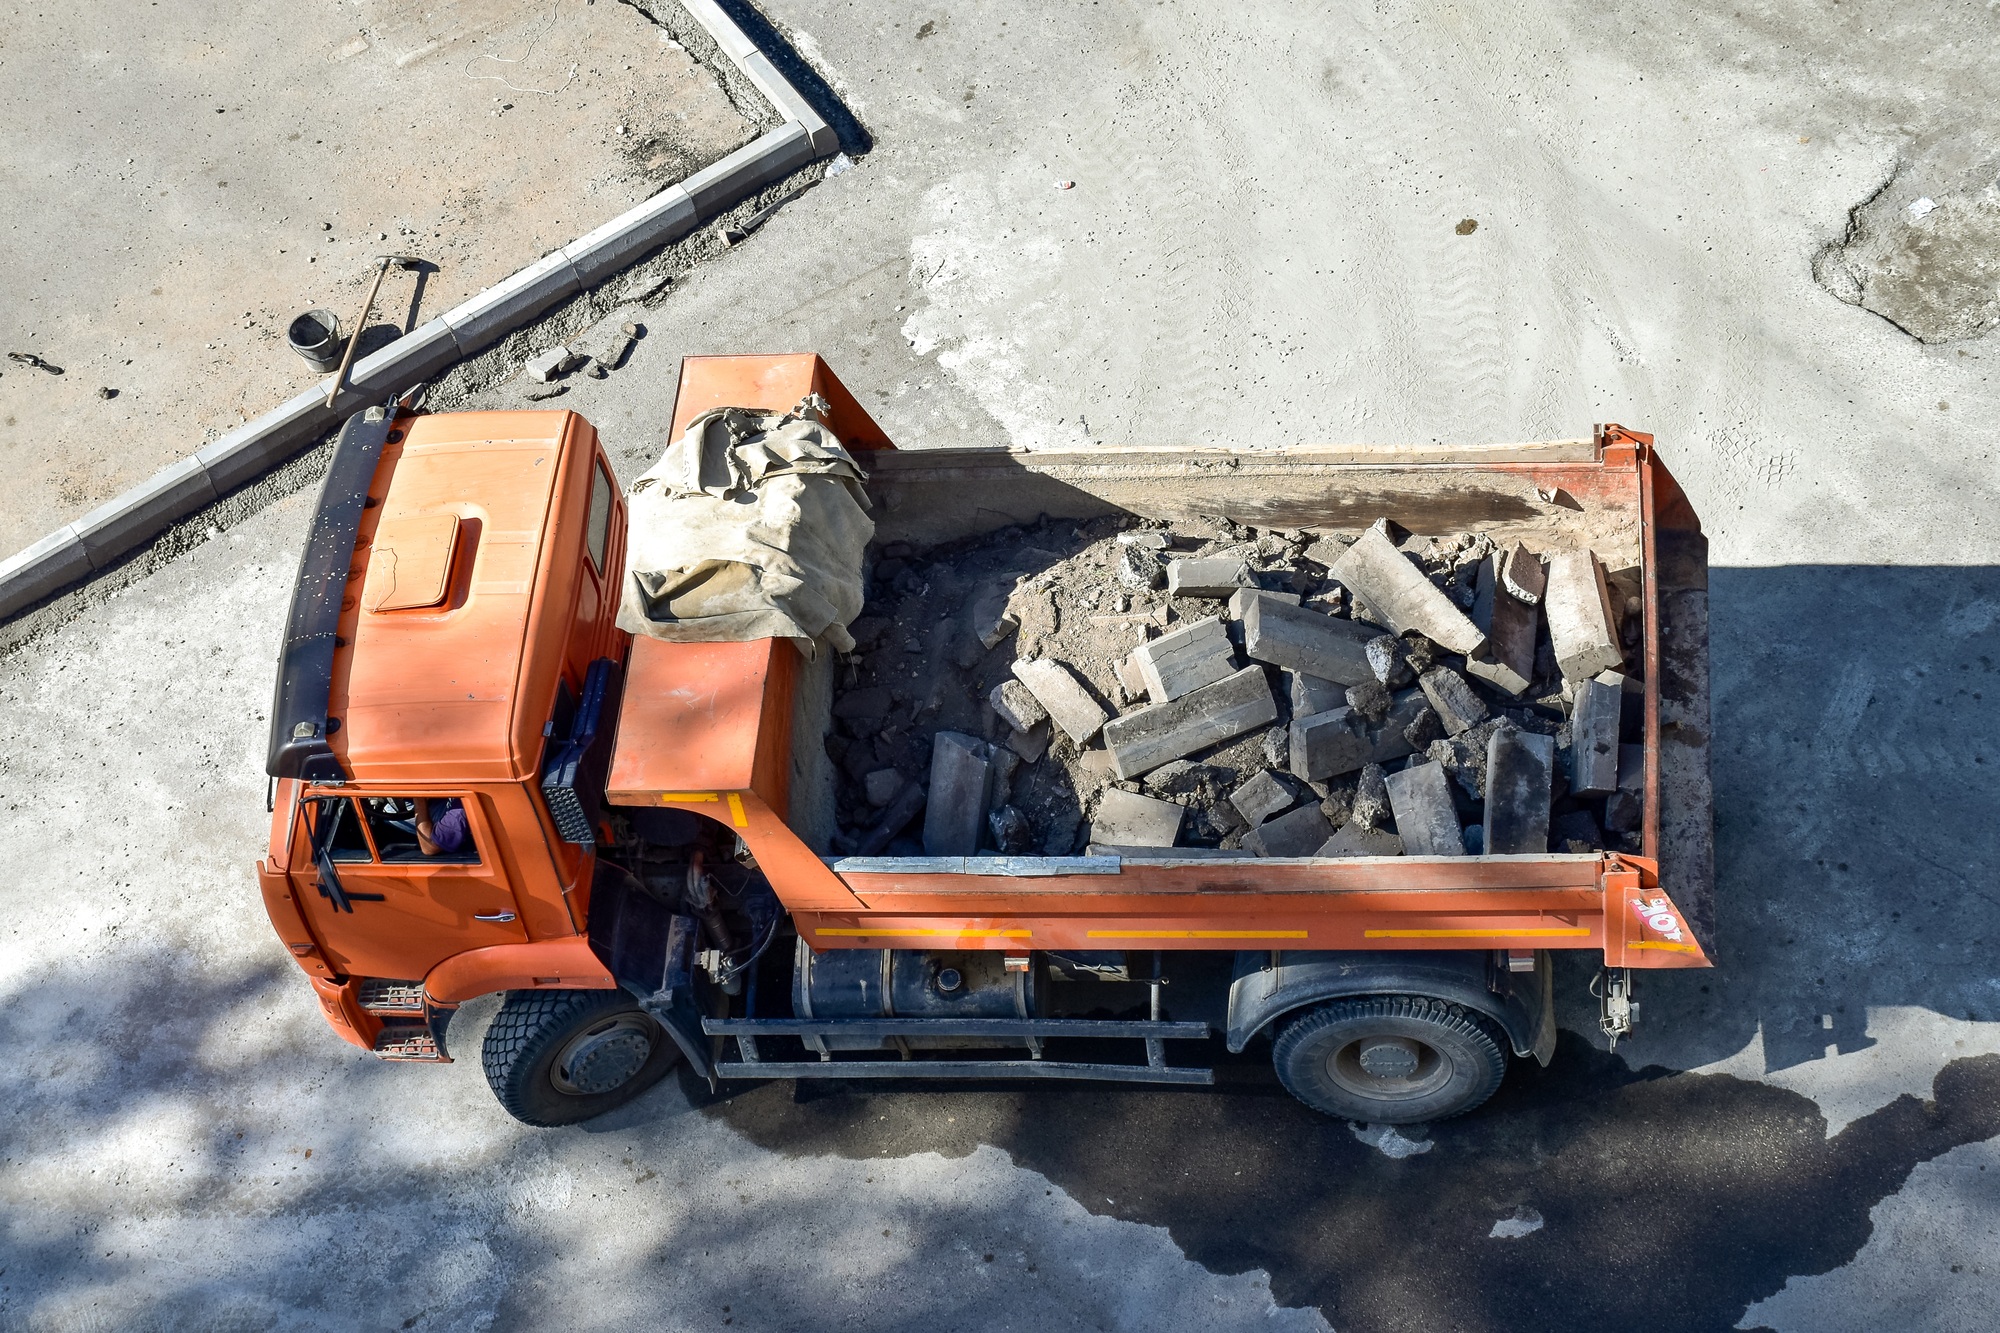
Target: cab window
{"points": [[336, 827], [597, 532], [395, 822]]}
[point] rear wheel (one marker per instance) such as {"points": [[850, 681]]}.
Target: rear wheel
{"points": [[1389, 1060], [557, 1057]]}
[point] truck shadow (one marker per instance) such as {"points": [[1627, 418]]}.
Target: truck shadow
{"points": [[1854, 757], [1656, 1200]]}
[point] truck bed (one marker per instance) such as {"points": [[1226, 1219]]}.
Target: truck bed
{"points": [[1609, 493]]}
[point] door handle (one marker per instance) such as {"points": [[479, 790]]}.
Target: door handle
{"points": [[492, 916]]}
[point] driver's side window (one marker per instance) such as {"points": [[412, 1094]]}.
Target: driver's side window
{"points": [[392, 823]]}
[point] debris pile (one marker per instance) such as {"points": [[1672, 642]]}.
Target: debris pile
{"points": [[1118, 687]]}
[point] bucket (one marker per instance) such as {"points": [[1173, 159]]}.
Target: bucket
{"points": [[315, 336]]}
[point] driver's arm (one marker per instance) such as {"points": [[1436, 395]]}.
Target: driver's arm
{"points": [[425, 831]]}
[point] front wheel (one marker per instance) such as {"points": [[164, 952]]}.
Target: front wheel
{"points": [[558, 1057], [1389, 1060]]}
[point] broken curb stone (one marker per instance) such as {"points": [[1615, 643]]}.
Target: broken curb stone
{"points": [[961, 788], [1375, 571], [1457, 705], [1426, 820], [547, 367], [1127, 819], [1206, 578], [1520, 768], [1306, 641], [1312, 694], [1593, 753], [1358, 839], [1017, 705], [1578, 605], [882, 785], [1524, 575], [1299, 833], [1239, 601], [1507, 662], [1179, 663], [1057, 690], [1143, 740], [1260, 798]]}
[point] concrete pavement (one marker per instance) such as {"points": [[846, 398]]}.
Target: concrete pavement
{"points": [[1263, 244]]}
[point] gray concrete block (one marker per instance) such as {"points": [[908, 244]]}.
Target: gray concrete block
{"points": [[1239, 601], [961, 788], [552, 364], [1383, 577], [1017, 705], [1581, 626], [627, 238], [882, 785], [485, 319], [1057, 689], [1358, 839], [1325, 745], [1392, 738], [1457, 705], [1523, 574], [1139, 569], [36, 571], [1420, 798], [764, 159], [1520, 769], [257, 446], [1260, 798], [1207, 578], [1507, 661], [1299, 833], [1593, 754], [1143, 740], [1313, 694], [141, 513], [421, 354], [1128, 819], [1302, 640], [1179, 663]]}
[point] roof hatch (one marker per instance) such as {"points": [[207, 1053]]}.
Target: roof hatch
{"points": [[411, 564]]}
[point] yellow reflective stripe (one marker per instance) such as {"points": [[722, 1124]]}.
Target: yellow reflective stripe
{"points": [[1195, 934], [736, 815], [667, 796], [1661, 944], [918, 930], [1473, 934]]}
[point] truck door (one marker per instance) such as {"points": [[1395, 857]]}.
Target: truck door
{"points": [[385, 908]]}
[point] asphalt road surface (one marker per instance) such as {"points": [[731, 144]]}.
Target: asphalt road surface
{"points": [[1263, 245]]}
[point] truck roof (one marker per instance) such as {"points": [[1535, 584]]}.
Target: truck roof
{"points": [[436, 652]]}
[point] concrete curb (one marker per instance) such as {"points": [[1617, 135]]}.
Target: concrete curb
{"points": [[75, 551]]}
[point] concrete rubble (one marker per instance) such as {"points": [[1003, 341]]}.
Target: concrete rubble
{"points": [[1207, 689]]}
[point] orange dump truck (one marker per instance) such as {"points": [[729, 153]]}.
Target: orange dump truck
{"points": [[481, 785]]}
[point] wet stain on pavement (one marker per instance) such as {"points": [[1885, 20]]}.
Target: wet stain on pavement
{"points": [[1670, 1201]]}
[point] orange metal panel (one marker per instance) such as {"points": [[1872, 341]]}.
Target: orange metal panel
{"points": [[706, 727], [692, 717], [564, 964], [772, 384]]}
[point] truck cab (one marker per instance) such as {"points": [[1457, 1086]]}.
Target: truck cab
{"points": [[479, 591]]}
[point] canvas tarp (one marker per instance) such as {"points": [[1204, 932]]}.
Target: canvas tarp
{"points": [[751, 526]]}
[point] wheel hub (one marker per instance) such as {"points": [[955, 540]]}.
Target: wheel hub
{"points": [[604, 1058], [1389, 1057]]}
